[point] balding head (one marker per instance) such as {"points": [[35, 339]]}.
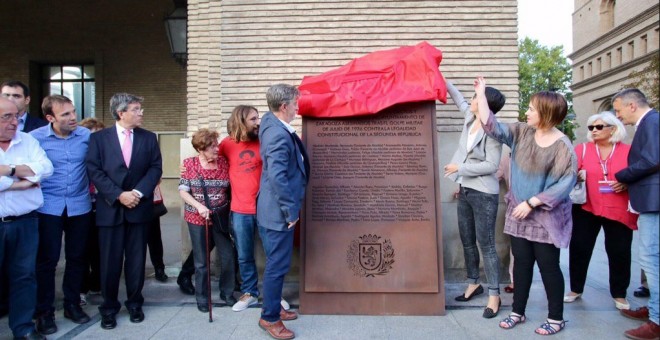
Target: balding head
{"points": [[8, 119]]}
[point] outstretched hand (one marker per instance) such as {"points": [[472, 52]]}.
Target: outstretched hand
{"points": [[480, 85]]}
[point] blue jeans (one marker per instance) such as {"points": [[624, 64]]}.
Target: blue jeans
{"points": [[279, 247], [19, 241], [649, 253], [244, 227], [477, 212]]}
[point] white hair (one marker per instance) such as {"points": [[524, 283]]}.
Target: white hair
{"points": [[608, 118]]}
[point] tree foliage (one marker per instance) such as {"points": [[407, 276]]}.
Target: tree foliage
{"points": [[542, 68], [646, 80]]}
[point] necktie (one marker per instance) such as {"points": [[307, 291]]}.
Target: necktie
{"points": [[127, 148]]}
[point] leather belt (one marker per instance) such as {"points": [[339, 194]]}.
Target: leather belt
{"points": [[8, 219]]}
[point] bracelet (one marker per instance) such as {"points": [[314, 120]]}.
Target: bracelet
{"points": [[530, 204]]}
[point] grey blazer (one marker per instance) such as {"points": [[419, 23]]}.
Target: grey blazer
{"points": [[478, 166]]}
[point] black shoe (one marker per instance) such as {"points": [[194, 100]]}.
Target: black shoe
{"points": [[476, 292], [489, 313], [32, 336], [76, 314], [203, 307], [46, 324], [160, 275], [185, 284], [108, 321], [230, 301], [3, 312], [136, 314], [642, 292]]}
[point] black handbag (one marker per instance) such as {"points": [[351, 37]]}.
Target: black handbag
{"points": [[219, 215]]}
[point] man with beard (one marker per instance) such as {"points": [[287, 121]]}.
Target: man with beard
{"points": [[67, 210]]}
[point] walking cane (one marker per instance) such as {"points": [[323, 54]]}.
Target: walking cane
{"points": [[208, 271]]}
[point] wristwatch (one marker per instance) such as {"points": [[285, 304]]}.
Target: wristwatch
{"points": [[528, 201], [13, 169]]}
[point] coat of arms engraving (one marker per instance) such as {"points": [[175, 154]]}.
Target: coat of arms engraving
{"points": [[370, 255]]}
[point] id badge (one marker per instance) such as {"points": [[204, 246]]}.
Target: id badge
{"points": [[605, 187]]}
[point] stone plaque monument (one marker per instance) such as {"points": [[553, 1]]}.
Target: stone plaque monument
{"points": [[371, 240]]}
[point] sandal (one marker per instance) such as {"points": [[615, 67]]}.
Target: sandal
{"points": [[512, 320], [549, 328], [508, 289]]}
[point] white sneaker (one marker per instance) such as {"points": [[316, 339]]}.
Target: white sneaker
{"points": [[83, 299], [285, 304], [244, 302]]}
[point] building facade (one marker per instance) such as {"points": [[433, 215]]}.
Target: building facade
{"points": [[611, 39], [238, 48]]}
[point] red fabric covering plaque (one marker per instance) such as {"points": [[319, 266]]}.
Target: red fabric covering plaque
{"points": [[376, 81]]}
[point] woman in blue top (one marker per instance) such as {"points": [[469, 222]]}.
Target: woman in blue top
{"points": [[473, 167], [538, 217]]}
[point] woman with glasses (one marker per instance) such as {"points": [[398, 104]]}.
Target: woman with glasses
{"points": [[606, 207]]}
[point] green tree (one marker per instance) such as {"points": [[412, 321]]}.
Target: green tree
{"points": [[647, 81], [542, 68]]}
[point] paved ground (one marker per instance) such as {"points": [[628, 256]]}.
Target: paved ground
{"points": [[172, 315]]}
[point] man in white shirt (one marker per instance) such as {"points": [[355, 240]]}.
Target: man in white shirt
{"points": [[23, 163]]}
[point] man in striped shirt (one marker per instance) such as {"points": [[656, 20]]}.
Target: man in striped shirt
{"points": [[67, 209]]}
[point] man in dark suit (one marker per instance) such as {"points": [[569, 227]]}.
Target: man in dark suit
{"points": [[642, 176], [19, 93], [124, 163], [282, 187]]}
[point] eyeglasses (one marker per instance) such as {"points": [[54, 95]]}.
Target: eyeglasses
{"points": [[598, 127], [136, 111], [8, 117]]}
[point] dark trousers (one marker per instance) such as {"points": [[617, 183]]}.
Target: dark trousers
{"points": [[546, 255], [618, 241], [92, 280], [279, 247], [75, 230], [123, 246], [155, 243], [19, 242], [227, 262], [188, 267]]}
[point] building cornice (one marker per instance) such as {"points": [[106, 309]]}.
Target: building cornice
{"points": [[615, 70], [647, 14]]}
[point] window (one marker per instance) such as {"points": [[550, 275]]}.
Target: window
{"points": [[631, 51], [644, 44], [608, 60], [75, 82]]}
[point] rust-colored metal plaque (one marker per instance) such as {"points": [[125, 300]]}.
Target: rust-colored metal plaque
{"points": [[371, 223]]}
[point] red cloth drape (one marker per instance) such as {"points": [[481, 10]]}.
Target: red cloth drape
{"points": [[376, 81]]}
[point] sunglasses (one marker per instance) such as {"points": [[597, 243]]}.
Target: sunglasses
{"points": [[598, 127]]}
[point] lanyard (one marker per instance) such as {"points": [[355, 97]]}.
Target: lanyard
{"points": [[604, 165]]}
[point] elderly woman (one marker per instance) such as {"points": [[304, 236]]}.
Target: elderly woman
{"points": [[211, 171], [538, 215], [606, 207]]}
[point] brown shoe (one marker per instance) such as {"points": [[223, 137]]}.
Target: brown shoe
{"points": [[636, 314], [288, 315], [647, 331], [277, 330]]}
